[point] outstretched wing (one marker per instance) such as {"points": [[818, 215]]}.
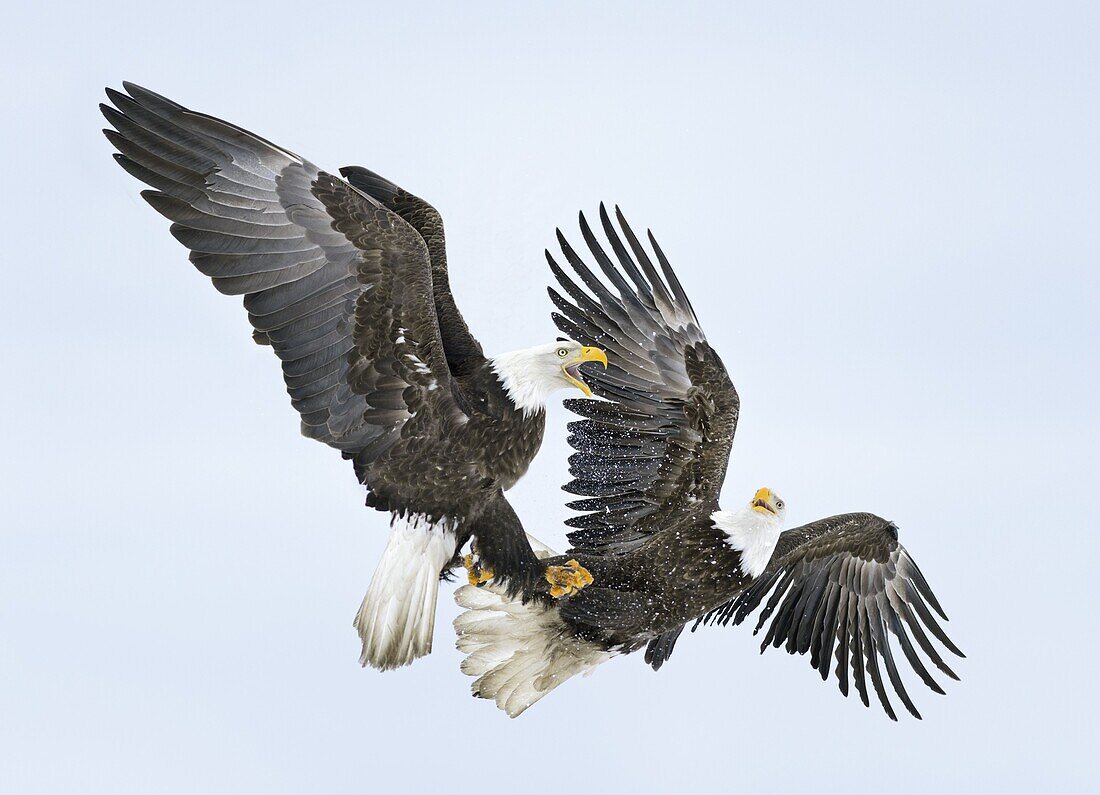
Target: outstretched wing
{"points": [[463, 352], [662, 444], [843, 586], [339, 286]]}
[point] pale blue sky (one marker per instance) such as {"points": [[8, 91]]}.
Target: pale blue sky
{"points": [[886, 216]]}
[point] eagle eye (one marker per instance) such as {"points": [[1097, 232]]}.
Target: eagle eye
{"points": [[779, 504], [562, 352]]}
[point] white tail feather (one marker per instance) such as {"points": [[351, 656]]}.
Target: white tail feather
{"points": [[519, 652], [396, 619]]}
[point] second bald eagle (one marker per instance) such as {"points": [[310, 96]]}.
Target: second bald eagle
{"points": [[649, 463]]}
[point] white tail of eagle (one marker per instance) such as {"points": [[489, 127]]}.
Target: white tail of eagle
{"points": [[518, 652], [396, 619]]}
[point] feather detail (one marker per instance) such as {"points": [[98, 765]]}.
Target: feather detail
{"points": [[518, 652], [752, 533], [397, 616]]}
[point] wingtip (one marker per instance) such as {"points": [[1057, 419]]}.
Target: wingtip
{"points": [[133, 89], [147, 97], [111, 113]]}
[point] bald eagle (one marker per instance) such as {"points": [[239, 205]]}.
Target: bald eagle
{"points": [[649, 463], [346, 280]]}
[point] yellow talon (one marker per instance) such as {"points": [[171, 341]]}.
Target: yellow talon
{"points": [[475, 572], [567, 579]]}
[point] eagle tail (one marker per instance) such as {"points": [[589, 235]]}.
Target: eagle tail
{"points": [[396, 619], [518, 652]]}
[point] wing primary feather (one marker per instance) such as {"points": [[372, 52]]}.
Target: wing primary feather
{"points": [[923, 641], [809, 610], [871, 655], [910, 653], [842, 644], [580, 320], [856, 649], [823, 648], [163, 126], [660, 293], [914, 573], [670, 276], [780, 625], [584, 302], [644, 288], [780, 589], [587, 276], [882, 643], [602, 259], [610, 331], [930, 622], [151, 99]]}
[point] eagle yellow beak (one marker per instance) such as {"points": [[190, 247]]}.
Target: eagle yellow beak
{"points": [[761, 501], [572, 368]]}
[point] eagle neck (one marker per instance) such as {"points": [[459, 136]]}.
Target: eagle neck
{"points": [[751, 533], [524, 379]]}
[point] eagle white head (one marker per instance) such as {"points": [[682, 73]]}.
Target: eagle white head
{"points": [[754, 530], [767, 501], [531, 375]]}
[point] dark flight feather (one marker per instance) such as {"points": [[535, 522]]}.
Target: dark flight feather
{"points": [[846, 584], [668, 388]]}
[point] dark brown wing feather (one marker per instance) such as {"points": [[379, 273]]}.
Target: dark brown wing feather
{"points": [[840, 588], [662, 444], [463, 352], [337, 284]]}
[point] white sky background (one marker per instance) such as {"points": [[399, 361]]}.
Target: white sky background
{"points": [[886, 217]]}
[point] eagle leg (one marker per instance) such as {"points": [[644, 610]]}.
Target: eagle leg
{"points": [[567, 579], [476, 573]]}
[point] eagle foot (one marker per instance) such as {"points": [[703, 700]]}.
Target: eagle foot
{"points": [[567, 579], [476, 573]]}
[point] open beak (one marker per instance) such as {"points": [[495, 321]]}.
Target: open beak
{"points": [[572, 368], [761, 501]]}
